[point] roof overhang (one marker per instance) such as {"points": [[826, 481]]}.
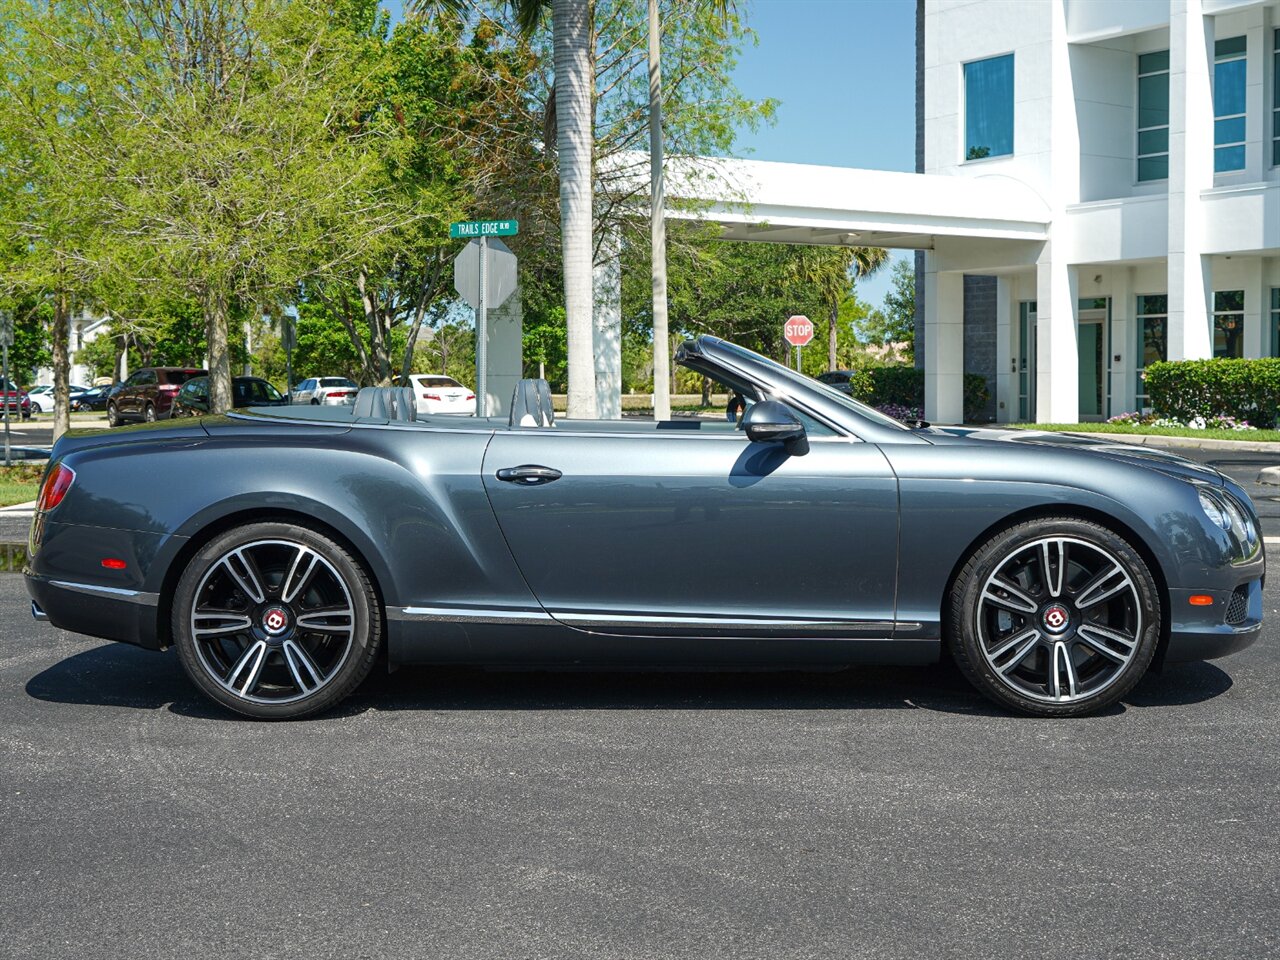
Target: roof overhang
{"points": [[809, 204]]}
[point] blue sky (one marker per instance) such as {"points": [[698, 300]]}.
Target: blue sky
{"points": [[845, 73]]}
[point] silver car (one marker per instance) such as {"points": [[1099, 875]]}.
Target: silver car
{"points": [[325, 391]]}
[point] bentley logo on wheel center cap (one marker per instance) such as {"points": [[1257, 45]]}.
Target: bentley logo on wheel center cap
{"points": [[1056, 618], [275, 620]]}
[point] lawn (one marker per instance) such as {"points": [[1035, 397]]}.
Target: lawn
{"points": [[20, 483], [1269, 436]]}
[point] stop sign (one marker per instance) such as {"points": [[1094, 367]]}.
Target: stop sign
{"points": [[798, 330]]}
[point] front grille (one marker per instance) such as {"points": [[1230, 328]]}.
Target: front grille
{"points": [[1238, 605]]}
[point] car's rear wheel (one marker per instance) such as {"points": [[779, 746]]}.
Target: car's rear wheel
{"points": [[149, 413], [1055, 617], [276, 621], [113, 415]]}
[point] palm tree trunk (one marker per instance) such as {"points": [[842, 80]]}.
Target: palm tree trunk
{"points": [[575, 84], [658, 223], [832, 321]]}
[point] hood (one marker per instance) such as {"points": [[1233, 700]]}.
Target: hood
{"points": [[1154, 458]]}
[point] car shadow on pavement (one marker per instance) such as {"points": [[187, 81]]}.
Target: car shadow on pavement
{"points": [[116, 675]]}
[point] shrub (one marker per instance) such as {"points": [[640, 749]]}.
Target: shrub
{"points": [[1242, 390], [903, 387]]}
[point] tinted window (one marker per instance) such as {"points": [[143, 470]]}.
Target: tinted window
{"points": [[255, 391], [988, 108], [336, 382], [143, 377], [180, 376]]}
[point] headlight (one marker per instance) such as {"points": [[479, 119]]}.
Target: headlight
{"points": [[1213, 510]]}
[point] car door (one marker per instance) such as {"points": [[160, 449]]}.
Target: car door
{"points": [[122, 397], [693, 530]]}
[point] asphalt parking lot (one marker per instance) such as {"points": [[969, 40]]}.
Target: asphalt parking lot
{"points": [[455, 814]]}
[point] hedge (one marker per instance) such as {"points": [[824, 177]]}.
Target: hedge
{"points": [[904, 387], [1242, 389]]}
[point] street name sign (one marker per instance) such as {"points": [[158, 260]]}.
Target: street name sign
{"points": [[474, 229], [798, 330]]}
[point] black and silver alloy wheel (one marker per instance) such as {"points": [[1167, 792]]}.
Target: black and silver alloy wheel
{"points": [[275, 620], [1057, 617], [113, 415]]}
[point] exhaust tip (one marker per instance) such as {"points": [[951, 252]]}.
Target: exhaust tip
{"points": [[38, 613]]}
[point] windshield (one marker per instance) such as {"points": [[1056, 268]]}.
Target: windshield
{"points": [[438, 382], [816, 386]]}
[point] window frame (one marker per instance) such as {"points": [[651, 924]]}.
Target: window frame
{"points": [[1228, 312], [964, 108], [1241, 144], [1140, 356], [1138, 156]]}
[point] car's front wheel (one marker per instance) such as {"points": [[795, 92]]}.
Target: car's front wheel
{"points": [[113, 415], [1055, 617], [276, 621]]}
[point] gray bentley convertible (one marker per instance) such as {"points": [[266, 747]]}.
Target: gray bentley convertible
{"points": [[286, 551]]}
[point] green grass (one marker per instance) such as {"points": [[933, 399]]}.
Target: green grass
{"points": [[20, 483], [1256, 436]]}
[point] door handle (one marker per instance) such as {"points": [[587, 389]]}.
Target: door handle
{"points": [[529, 474]]}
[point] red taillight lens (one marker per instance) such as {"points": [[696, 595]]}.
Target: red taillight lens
{"points": [[339, 393], [431, 396], [169, 388], [471, 396], [56, 484]]}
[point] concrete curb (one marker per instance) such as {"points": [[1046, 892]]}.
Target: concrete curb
{"points": [[1185, 443], [1269, 475]]}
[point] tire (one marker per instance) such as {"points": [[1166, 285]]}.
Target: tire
{"points": [[315, 403], [1055, 617], [149, 413], [113, 415], [253, 655]]}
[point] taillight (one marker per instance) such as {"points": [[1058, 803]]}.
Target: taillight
{"points": [[471, 396], [169, 388], [431, 396], [337, 393], [56, 484]]}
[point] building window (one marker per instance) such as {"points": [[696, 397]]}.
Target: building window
{"points": [[1153, 338], [1153, 116], [1228, 323], [1228, 104], [988, 108], [1275, 99]]}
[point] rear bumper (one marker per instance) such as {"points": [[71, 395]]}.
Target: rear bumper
{"points": [[108, 612]]}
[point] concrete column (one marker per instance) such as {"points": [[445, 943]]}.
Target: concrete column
{"points": [[1057, 351], [607, 336], [505, 356], [1124, 341], [1257, 308], [1190, 172], [1006, 374], [944, 345]]}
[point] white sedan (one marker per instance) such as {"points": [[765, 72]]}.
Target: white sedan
{"points": [[42, 397], [434, 393], [325, 391]]}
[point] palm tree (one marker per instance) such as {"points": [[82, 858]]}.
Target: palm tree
{"points": [[831, 271], [573, 96]]}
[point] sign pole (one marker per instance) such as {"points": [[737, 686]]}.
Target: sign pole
{"points": [[288, 357], [482, 332]]}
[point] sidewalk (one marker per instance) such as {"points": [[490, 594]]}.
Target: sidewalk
{"points": [[1186, 443]]}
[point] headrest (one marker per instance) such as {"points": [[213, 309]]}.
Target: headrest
{"points": [[385, 403], [528, 407]]}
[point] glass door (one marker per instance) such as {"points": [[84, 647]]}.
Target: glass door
{"points": [[1025, 362]]}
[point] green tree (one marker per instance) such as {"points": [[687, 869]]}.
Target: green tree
{"points": [[899, 314], [241, 159]]}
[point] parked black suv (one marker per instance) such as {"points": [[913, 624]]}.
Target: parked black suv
{"points": [[148, 394]]}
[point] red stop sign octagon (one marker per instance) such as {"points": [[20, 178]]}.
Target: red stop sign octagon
{"points": [[798, 330]]}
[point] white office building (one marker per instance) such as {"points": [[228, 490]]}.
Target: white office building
{"points": [[1151, 131], [1097, 187]]}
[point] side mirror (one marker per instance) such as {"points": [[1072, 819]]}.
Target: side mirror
{"points": [[771, 422]]}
